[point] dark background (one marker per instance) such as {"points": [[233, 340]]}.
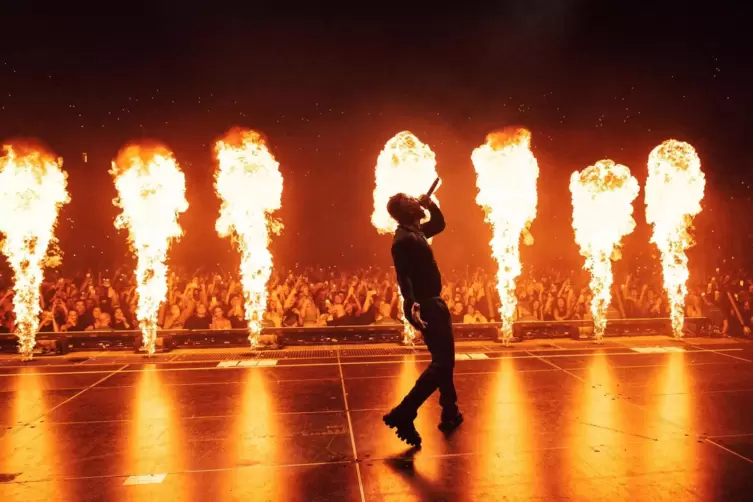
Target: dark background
{"points": [[329, 85]]}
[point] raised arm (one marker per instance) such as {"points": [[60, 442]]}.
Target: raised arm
{"points": [[401, 255], [436, 221], [369, 300]]}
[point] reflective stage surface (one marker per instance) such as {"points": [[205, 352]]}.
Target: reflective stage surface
{"points": [[630, 419]]}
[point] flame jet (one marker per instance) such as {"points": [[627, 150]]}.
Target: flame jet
{"points": [[506, 177], [603, 196], [405, 165], [152, 194], [674, 190], [32, 191], [249, 183]]}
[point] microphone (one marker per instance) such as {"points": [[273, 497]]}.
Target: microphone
{"points": [[433, 187]]}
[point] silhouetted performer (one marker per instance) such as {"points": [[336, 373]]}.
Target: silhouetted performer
{"points": [[421, 285]]}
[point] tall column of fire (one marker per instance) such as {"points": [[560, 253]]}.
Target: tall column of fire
{"points": [[405, 165], [32, 191], [151, 193], [249, 183], [506, 177], [674, 190], [603, 196]]}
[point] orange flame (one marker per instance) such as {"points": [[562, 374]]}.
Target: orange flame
{"points": [[32, 191], [152, 193], [603, 196], [506, 177], [405, 165], [249, 182], [674, 190]]}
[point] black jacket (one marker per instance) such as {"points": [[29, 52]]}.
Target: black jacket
{"points": [[416, 268]]}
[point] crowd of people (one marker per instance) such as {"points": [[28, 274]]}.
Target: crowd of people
{"points": [[318, 297]]}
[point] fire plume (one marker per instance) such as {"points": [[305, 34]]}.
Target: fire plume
{"points": [[506, 177], [151, 193], [603, 196], [674, 190], [249, 183], [405, 165], [32, 191]]}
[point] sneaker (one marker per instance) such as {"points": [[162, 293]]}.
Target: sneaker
{"points": [[405, 429], [448, 425]]}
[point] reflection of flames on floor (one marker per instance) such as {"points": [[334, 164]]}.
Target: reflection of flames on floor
{"points": [[29, 402], [409, 373], [509, 443], [676, 405], [257, 431], [153, 444], [419, 464]]}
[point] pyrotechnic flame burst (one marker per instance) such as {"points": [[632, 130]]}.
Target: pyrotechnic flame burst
{"points": [[603, 196], [32, 191], [152, 193], [674, 190], [405, 165], [249, 183], [506, 176]]}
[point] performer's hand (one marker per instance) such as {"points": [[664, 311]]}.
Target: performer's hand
{"points": [[415, 311], [746, 330], [424, 200]]}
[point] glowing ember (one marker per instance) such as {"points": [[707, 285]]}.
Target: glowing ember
{"points": [[603, 196], [152, 193], [249, 182], [674, 190], [32, 191], [506, 176], [405, 165]]}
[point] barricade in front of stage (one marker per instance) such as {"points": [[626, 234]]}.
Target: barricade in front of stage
{"points": [[62, 343]]}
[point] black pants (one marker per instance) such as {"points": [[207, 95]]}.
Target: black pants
{"points": [[441, 345]]}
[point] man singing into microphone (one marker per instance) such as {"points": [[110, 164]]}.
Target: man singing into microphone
{"points": [[421, 284]]}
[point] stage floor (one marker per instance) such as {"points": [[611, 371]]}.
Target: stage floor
{"points": [[631, 419]]}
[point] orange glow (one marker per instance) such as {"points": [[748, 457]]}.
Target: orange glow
{"points": [[258, 426], [153, 442], [405, 165], [426, 466], [256, 440], [603, 196], [152, 193], [602, 424], [679, 450], [506, 177], [674, 190], [249, 183], [601, 412], [402, 384], [509, 444], [676, 392], [157, 439], [32, 453], [410, 370]]}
